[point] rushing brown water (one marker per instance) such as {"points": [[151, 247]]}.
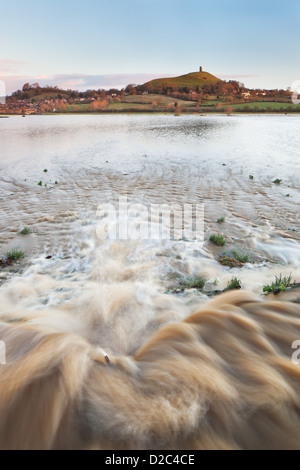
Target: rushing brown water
{"points": [[99, 353]]}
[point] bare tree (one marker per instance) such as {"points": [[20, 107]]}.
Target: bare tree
{"points": [[229, 110]]}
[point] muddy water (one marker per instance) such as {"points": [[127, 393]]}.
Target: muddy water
{"points": [[116, 293]]}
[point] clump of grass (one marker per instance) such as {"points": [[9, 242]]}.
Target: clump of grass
{"points": [[234, 259], [242, 257], [193, 283], [235, 283], [217, 239], [26, 231], [40, 183], [277, 181], [231, 262], [251, 177], [15, 254], [221, 220], [45, 171], [280, 285], [56, 182]]}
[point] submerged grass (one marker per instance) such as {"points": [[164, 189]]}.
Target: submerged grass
{"points": [[235, 283], [26, 231], [193, 283], [15, 254], [242, 257], [217, 239], [280, 285], [231, 262], [234, 259]]}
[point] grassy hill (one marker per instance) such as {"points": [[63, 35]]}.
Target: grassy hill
{"points": [[194, 79]]}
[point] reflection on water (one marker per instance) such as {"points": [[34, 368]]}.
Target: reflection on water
{"points": [[114, 294]]}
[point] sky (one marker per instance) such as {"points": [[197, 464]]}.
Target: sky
{"points": [[110, 43]]}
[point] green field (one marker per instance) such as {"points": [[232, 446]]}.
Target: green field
{"points": [[159, 103], [128, 106], [148, 102], [265, 105], [195, 79], [160, 99]]}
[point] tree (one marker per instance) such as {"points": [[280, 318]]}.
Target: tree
{"points": [[26, 87], [98, 105], [229, 110], [169, 107], [131, 89], [178, 110]]}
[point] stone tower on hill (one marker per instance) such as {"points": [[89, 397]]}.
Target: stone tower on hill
{"points": [[201, 70]]}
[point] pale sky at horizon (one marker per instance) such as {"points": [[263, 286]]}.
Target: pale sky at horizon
{"points": [[110, 43]]}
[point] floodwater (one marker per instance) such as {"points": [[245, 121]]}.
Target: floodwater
{"points": [[170, 381]]}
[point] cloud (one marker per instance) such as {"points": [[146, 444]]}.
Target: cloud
{"points": [[84, 82], [43, 76], [81, 82], [8, 66], [234, 76]]}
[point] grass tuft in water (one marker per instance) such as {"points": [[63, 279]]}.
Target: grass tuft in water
{"points": [[217, 239], [193, 283], [280, 285], [26, 231], [277, 181], [235, 283], [15, 254], [234, 259], [221, 220], [242, 257]]}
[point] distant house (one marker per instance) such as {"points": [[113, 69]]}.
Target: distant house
{"points": [[246, 95], [30, 111]]}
